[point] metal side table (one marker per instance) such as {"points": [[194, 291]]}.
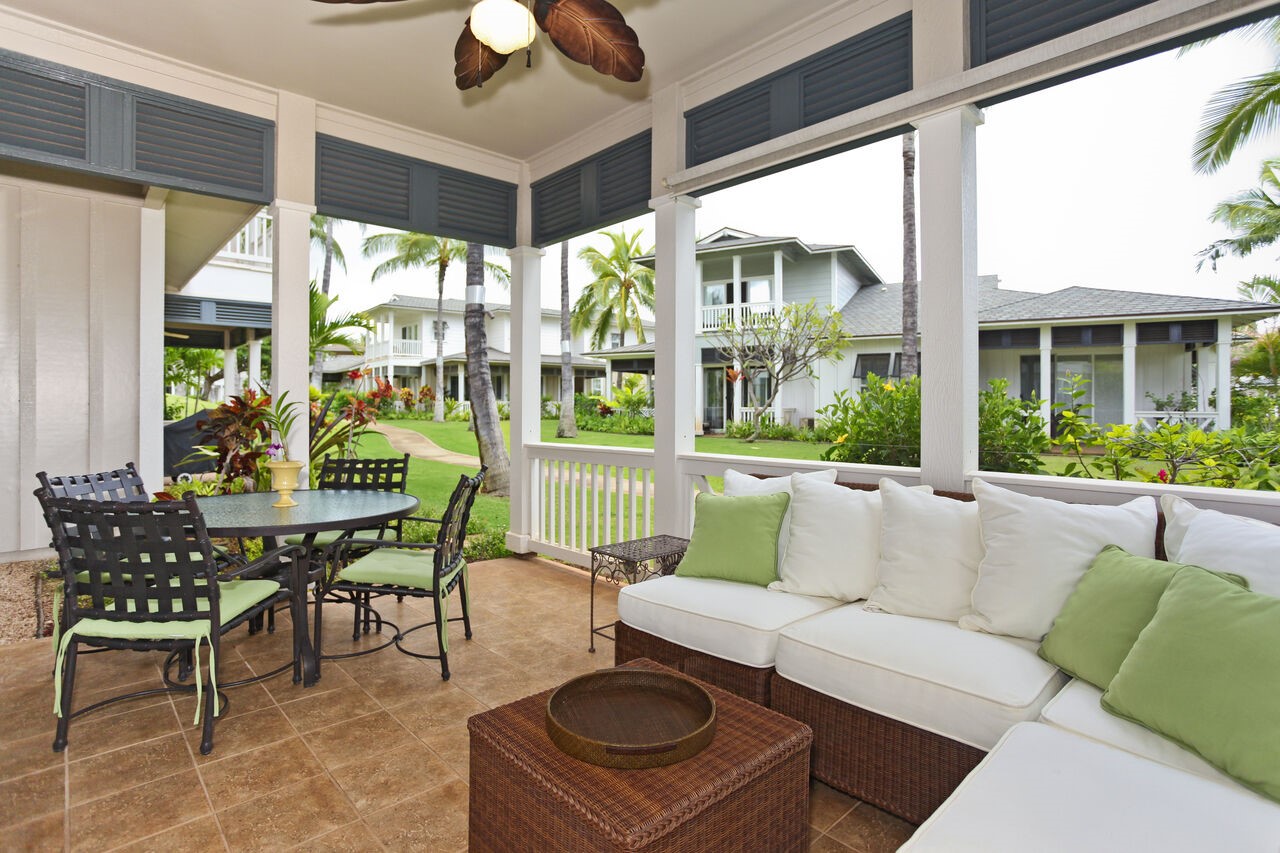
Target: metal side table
{"points": [[633, 561]]}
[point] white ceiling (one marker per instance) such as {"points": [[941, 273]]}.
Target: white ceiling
{"points": [[395, 60]]}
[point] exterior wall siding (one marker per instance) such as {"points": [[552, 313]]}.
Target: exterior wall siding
{"points": [[70, 267], [807, 278]]}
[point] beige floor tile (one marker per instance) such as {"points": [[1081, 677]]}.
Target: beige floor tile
{"points": [[34, 795], [317, 710], [28, 755], [237, 734], [434, 820], [91, 734], [444, 709], [110, 772], [827, 805], [357, 738], [198, 836], [46, 833], [867, 829], [352, 838], [286, 816], [231, 781], [138, 812], [386, 778]]}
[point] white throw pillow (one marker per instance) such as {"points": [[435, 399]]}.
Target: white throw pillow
{"points": [[736, 484], [1224, 543], [930, 547], [1036, 551], [834, 545]]}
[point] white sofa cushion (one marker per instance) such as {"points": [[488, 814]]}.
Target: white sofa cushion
{"points": [[930, 547], [1223, 543], [930, 674], [1037, 549], [1077, 709], [1046, 790], [834, 546], [735, 621], [737, 484]]}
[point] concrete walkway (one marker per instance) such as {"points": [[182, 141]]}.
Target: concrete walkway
{"points": [[419, 446]]}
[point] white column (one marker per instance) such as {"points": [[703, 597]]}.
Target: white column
{"points": [[777, 307], [735, 289], [677, 272], [462, 382], [150, 457], [949, 296], [291, 260], [526, 385], [698, 297], [1224, 374], [230, 371], [1047, 391], [392, 337], [255, 361], [1130, 372]]}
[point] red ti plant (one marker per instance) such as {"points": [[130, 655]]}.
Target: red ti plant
{"points": [[236, 434]]}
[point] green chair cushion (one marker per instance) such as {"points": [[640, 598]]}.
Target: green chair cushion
{"points": [[394, 567], [735, 538], [1203, 673], [327, 537], [235, 597], [1112, 603]]}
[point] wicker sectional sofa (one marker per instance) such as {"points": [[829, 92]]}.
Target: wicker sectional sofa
{"points": [[908, 712]]}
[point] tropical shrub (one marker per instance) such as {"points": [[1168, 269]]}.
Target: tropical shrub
{"points": [[769, 430], [1011, 432], [881, 426]]}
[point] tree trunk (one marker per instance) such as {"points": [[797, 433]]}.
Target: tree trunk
{"points": [[910, 287], [326, 273], [442, 265], [568, 426], [484, 406]]}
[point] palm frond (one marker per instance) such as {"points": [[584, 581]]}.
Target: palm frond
{"points": [[1237, 113]]}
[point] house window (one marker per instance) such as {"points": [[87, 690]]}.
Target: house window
{"points": [[757, 290], [1104, 390], [439, 329], [615, 340], [883, 364], [409, 333]]}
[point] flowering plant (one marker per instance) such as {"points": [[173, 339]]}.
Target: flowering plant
{"points": [[354, 375], [280, 417]]}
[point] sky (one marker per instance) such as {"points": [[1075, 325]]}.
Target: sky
{"points": [[1087, 183]]}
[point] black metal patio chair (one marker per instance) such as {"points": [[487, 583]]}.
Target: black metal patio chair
{"points": [[142, 576], [420, 570]]}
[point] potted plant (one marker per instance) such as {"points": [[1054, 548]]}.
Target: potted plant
{"points": [[279, 417]]}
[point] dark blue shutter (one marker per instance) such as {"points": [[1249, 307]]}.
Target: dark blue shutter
{"points": [[66, 117], [608, 186], [371, 185], [855, 73], [1001, 27], [44, 114]]}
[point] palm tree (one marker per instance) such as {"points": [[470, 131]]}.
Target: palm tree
{"points": [[1253, 216], [620, 290], [568, 426], [910, 287], [1260, 288], [410, 250], [484, 405], [1242, 111], [322, 237], [333, 331]]}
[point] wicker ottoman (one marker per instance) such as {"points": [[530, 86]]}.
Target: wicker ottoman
{"points": [[748, 790]]}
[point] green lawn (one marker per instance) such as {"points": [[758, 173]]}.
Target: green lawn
{"points": [[452, 435]]}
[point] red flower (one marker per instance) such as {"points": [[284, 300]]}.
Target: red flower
{"points": [[354, 375], [1163, 475]]}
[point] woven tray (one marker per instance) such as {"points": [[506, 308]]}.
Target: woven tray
{"points": [[631, 719]]}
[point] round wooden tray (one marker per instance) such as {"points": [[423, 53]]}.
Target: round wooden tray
{"points": [[631, 718]]}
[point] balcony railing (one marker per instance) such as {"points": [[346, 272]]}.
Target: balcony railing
{"points": [[252, 244], [588, 496], [399, 348], [715, 316], [1199, 420]]}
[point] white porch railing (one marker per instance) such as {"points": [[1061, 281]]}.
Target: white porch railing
{"points": [[252, 244], [715, 316], [588, 496], [381, 349], [1200, 420]]}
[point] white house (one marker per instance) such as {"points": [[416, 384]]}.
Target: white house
{"points": [[1134, 348]]}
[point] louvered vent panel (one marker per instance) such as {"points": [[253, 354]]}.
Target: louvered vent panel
{"points": [[730, 123], [1107, 336], [181, 309], [1068, 336], [43, 114], [1200, 331], [624, 177], [1154, 333], [200, 146], [557, 206], [477, 208], [1023, 338], [865, 69], [258, 316], [362, 184], [1002, 27]]}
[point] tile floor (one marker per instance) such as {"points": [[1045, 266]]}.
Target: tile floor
{"points": [[373, 757]]}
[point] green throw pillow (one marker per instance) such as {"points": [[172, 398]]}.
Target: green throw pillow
{"points": [[1206, 674], [735, 539], [1112, 603]]}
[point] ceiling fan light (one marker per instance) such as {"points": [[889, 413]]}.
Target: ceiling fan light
{"points": [[504, 26]]}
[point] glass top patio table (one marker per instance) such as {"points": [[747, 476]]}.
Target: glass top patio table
{"points": [[245, 515]]}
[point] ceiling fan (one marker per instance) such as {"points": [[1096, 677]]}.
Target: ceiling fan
{"points": [[592, 32]]}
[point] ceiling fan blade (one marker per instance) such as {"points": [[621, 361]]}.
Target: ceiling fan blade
{"points": [[474, 61], [594, 33]]}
